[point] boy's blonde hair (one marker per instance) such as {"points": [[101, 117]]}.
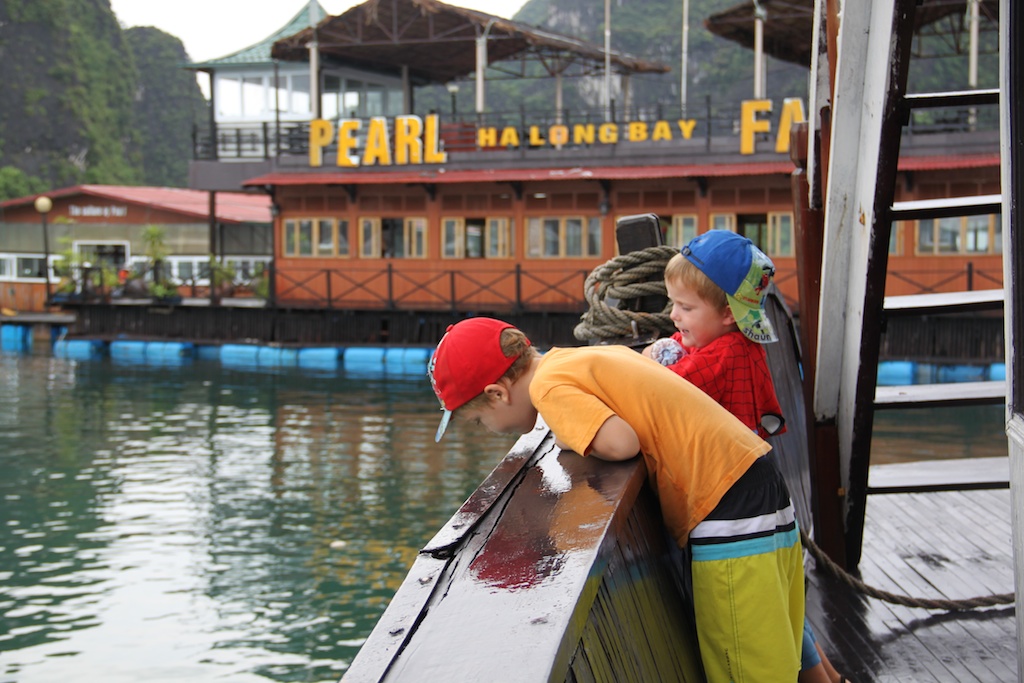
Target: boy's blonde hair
{"points": [[513, 343], [679, 271]]}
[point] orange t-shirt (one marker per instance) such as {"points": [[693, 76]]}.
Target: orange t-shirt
{"points": [[694, 448]]}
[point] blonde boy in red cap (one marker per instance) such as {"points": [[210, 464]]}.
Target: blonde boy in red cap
{"points": [[718, 492]]}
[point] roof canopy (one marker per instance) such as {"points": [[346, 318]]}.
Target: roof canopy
{"points": [[259, 53], [788, 24], [437, 43]]}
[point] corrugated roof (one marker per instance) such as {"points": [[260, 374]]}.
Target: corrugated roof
{"points": [[437, 43], [788, 24], [231, 207], [259, 53]]}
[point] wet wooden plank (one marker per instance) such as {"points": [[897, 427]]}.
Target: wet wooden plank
{"points": [[950, 394], [950, 545], [945, 302], [952, 474]]}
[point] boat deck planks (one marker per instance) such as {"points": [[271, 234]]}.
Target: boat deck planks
{"points": [[950, 545]]}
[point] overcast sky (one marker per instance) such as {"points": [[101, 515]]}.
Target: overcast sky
{"points": [[215, 28]]}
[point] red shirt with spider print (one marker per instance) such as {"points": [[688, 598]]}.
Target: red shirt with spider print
{"points": [[734, 371]]}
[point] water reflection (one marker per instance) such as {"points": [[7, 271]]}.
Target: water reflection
{"points": [[200, 523]]}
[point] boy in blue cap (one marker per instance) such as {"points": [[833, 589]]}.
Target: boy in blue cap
{"points": [[719, 493], [717, 285]]}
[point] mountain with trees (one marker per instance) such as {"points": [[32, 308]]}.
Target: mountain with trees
{"points": [[86, 101]]}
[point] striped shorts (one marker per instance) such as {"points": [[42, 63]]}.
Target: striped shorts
{"points": [[748, 582]]}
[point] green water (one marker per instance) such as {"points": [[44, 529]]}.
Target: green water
{"points": [[201, 524]]}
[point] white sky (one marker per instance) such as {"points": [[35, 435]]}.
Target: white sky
{"points": [[215, 28]]}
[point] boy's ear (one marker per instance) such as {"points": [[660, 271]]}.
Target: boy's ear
{"points": [[727, 316], [497, 391]]}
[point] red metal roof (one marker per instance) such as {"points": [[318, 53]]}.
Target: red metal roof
{"points": [[434, 174], [944, 161], [231, 207]]}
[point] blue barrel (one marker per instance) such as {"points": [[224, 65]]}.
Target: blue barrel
{"points": [[997, 372], [364, 359], [127, 350], [208, 352], [240, 355], [320, 358], [16, 338], [892, 373], [78, 349], [962, 373]]}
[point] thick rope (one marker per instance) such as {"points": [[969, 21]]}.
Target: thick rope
{"points": [[926, 603], [638, 274], [623, 278]]}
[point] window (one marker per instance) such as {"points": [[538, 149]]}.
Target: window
{"points": [[723, 221], [780, 234], [323, 237], [499, 238], [475, 238], [960, 235], [563, 237], [31, 267], [393, 237], [896, 239], [681, 231], [6, 267]]}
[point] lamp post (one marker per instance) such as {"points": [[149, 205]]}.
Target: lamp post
{"points": [[43, 206]]}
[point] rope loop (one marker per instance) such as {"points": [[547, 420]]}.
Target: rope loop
{"points": [[620, 280], [926, 603]]}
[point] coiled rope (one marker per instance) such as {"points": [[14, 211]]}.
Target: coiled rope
{"points": [[624, 278], [639, 274], [926, 603]]}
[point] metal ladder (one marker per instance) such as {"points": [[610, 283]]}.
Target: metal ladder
{"points": [[871, 111]]}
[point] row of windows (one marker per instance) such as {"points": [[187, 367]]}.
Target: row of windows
{"points": [[256, 96], [179, 269], [493, 237], [957, 235]]}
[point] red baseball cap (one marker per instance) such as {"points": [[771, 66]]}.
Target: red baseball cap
{"points": [[467, 359]]}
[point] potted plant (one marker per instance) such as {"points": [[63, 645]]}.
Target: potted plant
{"points": [[222, 278]]}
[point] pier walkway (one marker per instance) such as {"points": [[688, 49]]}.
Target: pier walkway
{"points": [[949, 545]]}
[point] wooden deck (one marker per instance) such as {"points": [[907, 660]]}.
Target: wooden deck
{"points": [[947, 545]]}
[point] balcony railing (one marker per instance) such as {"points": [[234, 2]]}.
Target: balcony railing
{"points": [[270, 139]]}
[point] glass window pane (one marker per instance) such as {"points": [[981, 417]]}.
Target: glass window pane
{"points": [[300, 99], [594, 236], [330, 98], [551, 236], [325, 238], [977, 234], [352, 99], [289, 238], [374, 100], [474, 240], [253, 96], [185, 270], [783, 235], [229, 96], [451, 236], [573, 237], [949, 235], [30, 267], [368, 241], [395, 103], [343, 238], [926, 236], [997, 237], [305, 238]]}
